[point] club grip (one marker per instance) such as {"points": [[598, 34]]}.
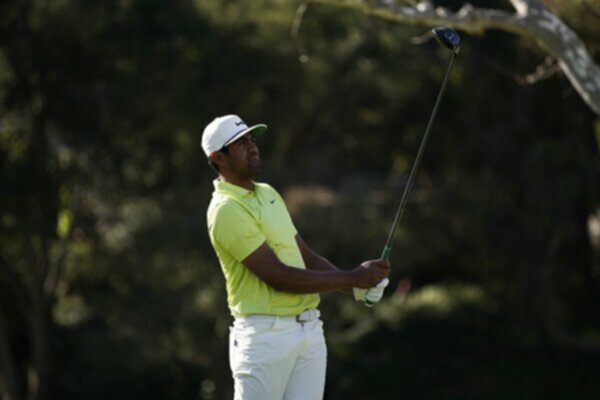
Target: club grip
{"points": [[385, 255]]}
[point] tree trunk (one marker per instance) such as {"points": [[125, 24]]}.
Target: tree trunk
{"points": [[8, 368], [38, 380], [44, 225]]}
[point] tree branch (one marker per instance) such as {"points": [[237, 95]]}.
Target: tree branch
{"points": [[531, 19], [544, 71]]}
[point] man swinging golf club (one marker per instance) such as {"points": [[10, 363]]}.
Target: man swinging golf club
{"points": [[276, 349]]}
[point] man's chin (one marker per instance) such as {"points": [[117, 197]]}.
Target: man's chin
{"points": [[256, 168]]}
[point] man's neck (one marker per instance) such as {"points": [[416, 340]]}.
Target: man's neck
{"points": [[245, 183]]}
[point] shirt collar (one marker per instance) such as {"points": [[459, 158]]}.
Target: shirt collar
{"points": [[229, 188]]}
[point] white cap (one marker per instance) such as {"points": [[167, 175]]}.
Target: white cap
{"points": [[223, 131]]}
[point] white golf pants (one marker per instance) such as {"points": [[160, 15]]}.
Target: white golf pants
{"points": [[278, 358]]}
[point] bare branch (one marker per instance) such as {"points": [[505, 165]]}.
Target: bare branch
{"points": [[520, 6], [298, 18], [427, 36], [544, 71], [467, 19], [532, 20]]}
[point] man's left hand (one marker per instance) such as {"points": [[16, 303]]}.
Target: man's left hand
{"points": [[372, 295]]}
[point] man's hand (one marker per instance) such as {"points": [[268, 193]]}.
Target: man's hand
{"points": [[370, 273], [375, 294], [371, 280], [372, 295]]}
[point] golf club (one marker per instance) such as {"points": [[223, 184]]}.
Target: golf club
{"points": [[449, 39]]}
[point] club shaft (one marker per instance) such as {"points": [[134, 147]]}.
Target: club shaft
{"points": [[388, 245]]}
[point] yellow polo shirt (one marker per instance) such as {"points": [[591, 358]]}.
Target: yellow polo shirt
{"points": [[239, 221]]}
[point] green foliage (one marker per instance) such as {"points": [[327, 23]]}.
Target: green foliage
{"points": [[105, 188]]}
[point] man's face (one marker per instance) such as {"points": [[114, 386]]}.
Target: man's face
{"points": [[243, 158]]}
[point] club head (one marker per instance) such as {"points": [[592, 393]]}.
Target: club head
{"points": [[447, 37]]}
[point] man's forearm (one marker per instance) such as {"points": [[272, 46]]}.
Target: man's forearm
{"points": [[322, 277], [303, 281], [319, 263]]}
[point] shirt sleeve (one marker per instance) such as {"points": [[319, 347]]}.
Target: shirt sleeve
{"points": [[236, 231]]}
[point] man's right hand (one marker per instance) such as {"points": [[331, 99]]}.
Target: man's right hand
{"points": [[370, 273]]}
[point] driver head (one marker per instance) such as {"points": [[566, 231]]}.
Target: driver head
{"points": [[448, 37]]}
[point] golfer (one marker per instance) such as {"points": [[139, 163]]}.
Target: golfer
{"points": [[276, 346]]}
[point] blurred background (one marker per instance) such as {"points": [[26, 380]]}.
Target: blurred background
{"points": [[109, 287]]}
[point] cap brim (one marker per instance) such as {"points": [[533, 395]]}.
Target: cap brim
{"points": [[257, 130]]}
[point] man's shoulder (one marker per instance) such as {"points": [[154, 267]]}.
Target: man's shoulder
{"points": [[221, 204], [265, 187]]}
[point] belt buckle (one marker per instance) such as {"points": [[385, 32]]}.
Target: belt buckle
{"points": [[301, 319], [305, 316]]}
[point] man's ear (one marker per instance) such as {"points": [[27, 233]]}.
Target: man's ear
{"points": [[218, 158]]}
